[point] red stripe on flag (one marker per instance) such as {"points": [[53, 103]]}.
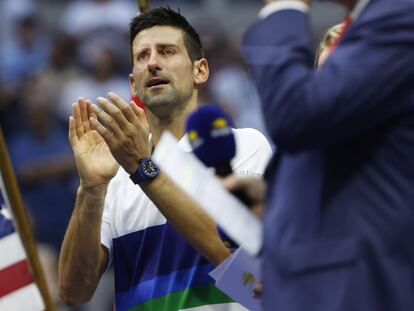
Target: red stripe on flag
{"points": [[14, 277]]}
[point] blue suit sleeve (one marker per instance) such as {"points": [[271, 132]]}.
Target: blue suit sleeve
{"points": [[363, 83]]}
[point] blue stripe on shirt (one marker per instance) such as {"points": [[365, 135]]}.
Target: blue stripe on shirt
{"points": [[163, 285], [152, 252]]}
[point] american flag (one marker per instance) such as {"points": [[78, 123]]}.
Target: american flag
{"points": [[18, 291]]}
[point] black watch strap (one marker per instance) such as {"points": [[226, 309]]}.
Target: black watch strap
{"points": [[147, 170]]}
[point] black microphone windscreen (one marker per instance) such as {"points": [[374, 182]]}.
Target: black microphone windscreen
{"points": [[211, 136]]}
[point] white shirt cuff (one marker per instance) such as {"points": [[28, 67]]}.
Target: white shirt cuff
{"points": [[283, 5]]}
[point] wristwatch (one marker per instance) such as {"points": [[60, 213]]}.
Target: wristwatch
{"points": [[147, 170]]}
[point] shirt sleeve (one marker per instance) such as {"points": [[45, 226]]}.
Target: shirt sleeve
{"points": [[106, 233], [253, 153], [108, 215]]}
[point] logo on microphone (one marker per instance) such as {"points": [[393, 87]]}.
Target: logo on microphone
{"points": [[195, 140], [220, 128]]}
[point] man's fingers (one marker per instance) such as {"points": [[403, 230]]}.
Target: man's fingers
{"points": [[103, 131], [140, 114], [255, 188], [106, 120], [122, 106], [257, 290], [232, 183], [116, 109], [84, 114], [73, 137], [91, 114], [78, 121]]}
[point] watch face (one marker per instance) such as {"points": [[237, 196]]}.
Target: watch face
{"points": [[150, 168], [147, 170]]}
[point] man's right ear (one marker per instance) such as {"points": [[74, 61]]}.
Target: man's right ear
{"points": [[201, 71], [132, 85]]}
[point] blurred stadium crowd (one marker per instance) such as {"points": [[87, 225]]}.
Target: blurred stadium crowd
{"points": [[51, 53]]}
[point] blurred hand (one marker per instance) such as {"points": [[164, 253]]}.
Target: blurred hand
{"points": [[257, 290], [254, 188], [124, 128], [96, 165]]}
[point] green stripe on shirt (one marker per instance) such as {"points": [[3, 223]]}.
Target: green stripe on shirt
{"points": [[188, 298]]}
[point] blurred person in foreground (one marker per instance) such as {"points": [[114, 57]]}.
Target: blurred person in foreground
{"points": [[256, 188], [339, 222], [135, 216]]}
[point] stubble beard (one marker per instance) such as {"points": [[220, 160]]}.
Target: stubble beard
{"points": [[167, 105]]}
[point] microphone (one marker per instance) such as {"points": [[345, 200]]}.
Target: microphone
{"points": [[212, 140]]}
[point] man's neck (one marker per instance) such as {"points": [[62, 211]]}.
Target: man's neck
{"points": [[175, 124]]}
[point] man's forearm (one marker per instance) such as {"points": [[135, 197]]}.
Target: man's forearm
{"points": [[82, 258], [186, 217]]}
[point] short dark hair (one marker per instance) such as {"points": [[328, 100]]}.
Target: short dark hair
{"points": [[165, 16]]}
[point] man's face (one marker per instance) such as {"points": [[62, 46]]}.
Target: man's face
{"points": [[163, 75]]}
